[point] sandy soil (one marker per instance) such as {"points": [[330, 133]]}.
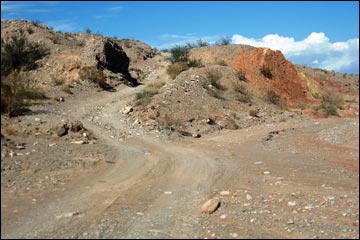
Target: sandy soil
{"points": [[292, 179]]}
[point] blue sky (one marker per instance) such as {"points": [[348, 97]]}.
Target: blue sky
{"points": [[319, 34]]}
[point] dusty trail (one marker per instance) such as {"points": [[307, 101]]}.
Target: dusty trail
{"points": [[155, 187]]}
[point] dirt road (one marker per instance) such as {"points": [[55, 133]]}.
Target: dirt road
{"points": [[294, 179]]}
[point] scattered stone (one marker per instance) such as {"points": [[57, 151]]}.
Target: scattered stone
{"points": [[76, 126], [127, 110], [210, 206], [52, 144], [248, 197], [223, 216], [234, 235], [71, 214], [63, 130], [37, 119], [168, 192], [266, 173], [252, 220], [224, 193], [78, 142], [290, 221], [210, 121], [20, 147], [309, 207], [196, 135], [12, 154], [256, 163], [291, 203]]}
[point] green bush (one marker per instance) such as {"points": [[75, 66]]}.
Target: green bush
{"points": [[15, 90], [214, 78], [195, 63], [242, 75], [253, 112], [223, 41], [333, 100], [221, 63], [176, 68], [329, 110], [17, 52], [202, 43], [266, 72], [273, 98], [179, 54], [95, 75]]}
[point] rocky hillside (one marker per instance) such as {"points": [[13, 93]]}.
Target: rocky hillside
{"points": [[71, 52], [235, 86]]}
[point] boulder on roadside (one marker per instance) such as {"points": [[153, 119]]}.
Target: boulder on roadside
{"points": [[76, 126], [62, 130], [210, 206]]}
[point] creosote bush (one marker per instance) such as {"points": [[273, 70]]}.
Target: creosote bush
{"points": [[273, 98], [143, 98], [94, 75], [266, 72]]}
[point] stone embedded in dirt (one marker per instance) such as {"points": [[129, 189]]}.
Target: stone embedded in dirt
{"points": [[76, 126], [185, 133], [210, 206], [51, 144], [290, 221], [71, 214], [257, 163], [168, 192], [210, 121], [248, 197], [266, 173], [196, 135], [291, 203], [63, 130], [234, 235], [127, 110], [224, 193], [223, 216], [78, 142], [20, 146]]}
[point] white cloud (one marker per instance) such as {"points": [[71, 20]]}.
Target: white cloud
{"points": [[115, 9], [315, 50], [63, 25]]}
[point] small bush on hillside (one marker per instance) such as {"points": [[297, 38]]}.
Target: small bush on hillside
{"points": [[18, 52], [144, 97], [30, 30], [273, 98], [241, 76], [195, 63], [202, 43], [253, 112], [223, 41], [15, 90], [221, 63], [36, 23], [179, 54], [266, 72], [88, 31], [243, 96], [176, 68], [66, 88], [329, 110], [333, 100], [95, 75], [214, 78]]}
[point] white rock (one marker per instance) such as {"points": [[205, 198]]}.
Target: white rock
{"points": [[291, 203], [266, 173], [256, 163], [223, 216], [78, 142], [168, 192], [71, 214], [248, 197], [210, 206], [224, 193]]}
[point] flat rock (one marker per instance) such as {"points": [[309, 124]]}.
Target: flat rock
{"points": [[210, 206]]}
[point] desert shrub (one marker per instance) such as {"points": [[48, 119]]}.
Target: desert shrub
{"points": [[88, 31], [273, 98], [266, 71], [176, 68], [58, 81], [213, 78], [253, 112], [179, 54], [223, 41], [144, 97], [94, 75], [329, 110], [17, 52], [9, 131], [66, 88], [333, 100], [30, 30], [15, 90], [221, 63], [202, 43], [36, 23], [195, 63], [245, 98], [241, 75]]}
